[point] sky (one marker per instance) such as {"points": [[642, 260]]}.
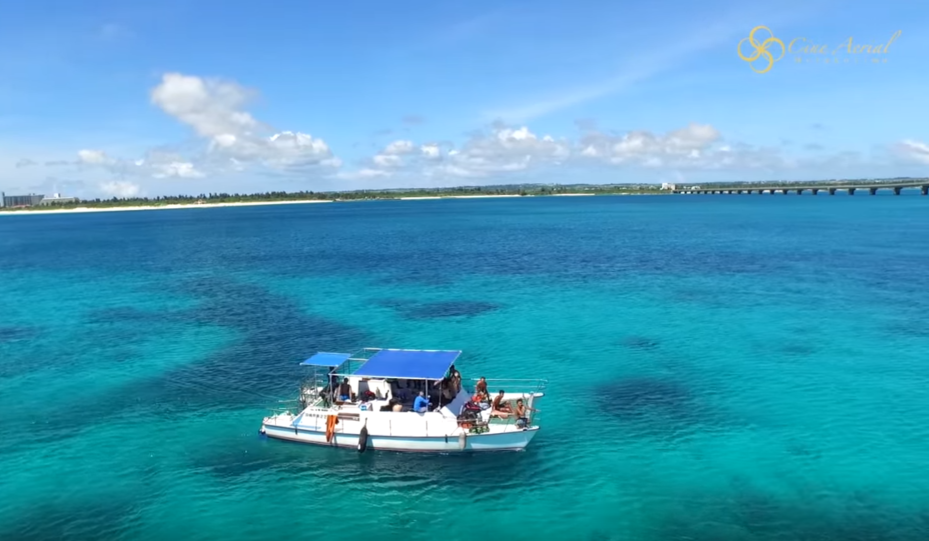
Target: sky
{"points": [[102, 98]]}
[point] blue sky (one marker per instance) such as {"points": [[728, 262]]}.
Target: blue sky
{"points": [[124, 98]]}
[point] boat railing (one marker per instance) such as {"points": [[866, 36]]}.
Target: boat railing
{"points": [[285, 406], [295, 407], [514, 386]]}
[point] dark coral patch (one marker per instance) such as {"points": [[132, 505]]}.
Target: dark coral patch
{"points": [[14, 334], [451, 309], [437, 310], [78, 520], [745, 512], [640, 342], [640, 396]]}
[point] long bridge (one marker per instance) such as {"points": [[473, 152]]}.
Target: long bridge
{"points": [[923, 186]]}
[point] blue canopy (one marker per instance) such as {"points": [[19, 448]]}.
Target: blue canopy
{"points": [[408, 364], [330, 360]]}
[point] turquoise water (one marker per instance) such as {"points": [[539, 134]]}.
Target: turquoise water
{"points": [[720, 367]]}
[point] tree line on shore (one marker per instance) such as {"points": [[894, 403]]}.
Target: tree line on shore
{"points": [[280, 196]]}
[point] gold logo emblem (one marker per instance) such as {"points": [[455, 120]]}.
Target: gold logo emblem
{"points": [[761, 50]]}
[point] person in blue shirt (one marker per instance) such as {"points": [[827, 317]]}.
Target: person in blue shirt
{"points": [[421, 404], [345, 391]]}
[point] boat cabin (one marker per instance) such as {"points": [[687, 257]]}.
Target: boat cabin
{"points": [[383, 380]]}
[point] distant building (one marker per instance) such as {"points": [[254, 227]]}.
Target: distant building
{"points": [[57, 199], [21, 200], [668, 186]]}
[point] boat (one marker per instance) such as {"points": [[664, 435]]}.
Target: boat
{"points": [[375, 410]]}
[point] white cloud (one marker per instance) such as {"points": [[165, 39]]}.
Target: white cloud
{"points": [[120, 188], [913, 151], [231, 140], [500, 150], [503, 149], [387, 160], [215, 111], [390, 157], [289, 149], [92, 157], [695, 146], [431, 151], [177, 170], [400, 147], [363, 174], [212, 108], [686, 146]]}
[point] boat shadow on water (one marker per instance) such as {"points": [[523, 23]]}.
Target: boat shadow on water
{"points": [[263, 458]]}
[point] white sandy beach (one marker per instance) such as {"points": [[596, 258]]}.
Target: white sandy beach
{"points": [[81, 210], [162, 207]]}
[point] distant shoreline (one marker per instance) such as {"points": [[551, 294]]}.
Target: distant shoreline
{"points": [[83, 210]]}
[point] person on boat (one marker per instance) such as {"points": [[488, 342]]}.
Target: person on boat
{"points": [[481, 398], [345, 391], [421, 404], [522, 419], [481, 387], [455, 377], [500, 409], [448, 391]]}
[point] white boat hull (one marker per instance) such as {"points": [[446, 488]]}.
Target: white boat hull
{"points": [[501, 441], [436, 431]]}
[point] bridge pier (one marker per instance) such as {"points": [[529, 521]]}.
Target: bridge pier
{"points": [[897, 190], [799, 191], [851, 191], [873, 191], [814, 190], [831, 191], [925, 190]]}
